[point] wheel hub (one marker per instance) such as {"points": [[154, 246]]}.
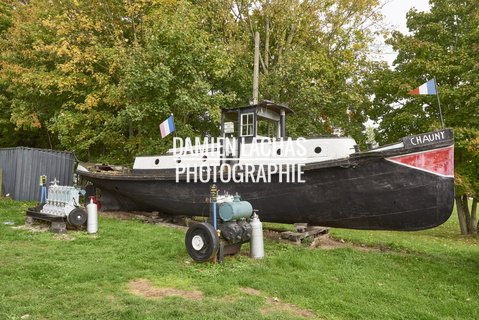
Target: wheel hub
{"points": [[197, 242]]}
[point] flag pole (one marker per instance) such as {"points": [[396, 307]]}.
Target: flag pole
{"points": [[438, 103], [173, 118]]}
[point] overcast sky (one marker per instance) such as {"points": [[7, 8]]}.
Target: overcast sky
{"points": [[395, 15], [395, 11]]}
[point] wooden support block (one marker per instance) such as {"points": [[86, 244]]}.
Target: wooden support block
{"points": [[29, 221], [57, 224], [300, 227], [58, 227], [296, 238], [318, 229]]}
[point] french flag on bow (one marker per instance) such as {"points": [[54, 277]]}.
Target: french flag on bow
{"points": [[167, 127], [426, 88], [429, 88]]}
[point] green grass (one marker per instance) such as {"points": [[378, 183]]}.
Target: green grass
{"points": [[432, 274]]}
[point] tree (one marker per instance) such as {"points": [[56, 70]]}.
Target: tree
{"points": [[177, 71], [314, 57], [95, 83], [444, 44], [97, 77], [22, 112]]}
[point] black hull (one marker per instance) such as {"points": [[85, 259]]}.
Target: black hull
{"points": [[365, 192]]}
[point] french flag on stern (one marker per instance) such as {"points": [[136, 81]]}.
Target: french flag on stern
{"points": [[167, 127], [426, 88]]}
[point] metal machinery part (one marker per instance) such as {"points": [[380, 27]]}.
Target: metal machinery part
{"points": [[247, 230], [77, 217], [235, 210], [63, 201], [202, 242], [220, 233], [235, 231], [233, 226]]}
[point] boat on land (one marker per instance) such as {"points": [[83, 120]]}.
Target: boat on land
{"points": [[325, 181]]}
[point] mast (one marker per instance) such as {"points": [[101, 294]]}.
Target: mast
{"points": [[256, 68]]}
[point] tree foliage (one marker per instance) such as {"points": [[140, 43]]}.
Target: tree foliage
{"points": [[97, 77], [444, 43], [314, 57]]}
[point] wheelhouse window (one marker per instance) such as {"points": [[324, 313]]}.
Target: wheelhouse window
{"points": [[267, 128], [247, 122], [230, 118]]}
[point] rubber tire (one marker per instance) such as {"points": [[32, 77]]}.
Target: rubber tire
{"points": [[210, 239], [77, 217]]}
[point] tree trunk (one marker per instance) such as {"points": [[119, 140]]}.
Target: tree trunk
{"points": [[467, 213], [467, 218], [460, 215], [474, 215]]}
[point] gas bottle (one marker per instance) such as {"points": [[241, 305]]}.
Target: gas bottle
{"points": [[257, 246], [92, 222]]}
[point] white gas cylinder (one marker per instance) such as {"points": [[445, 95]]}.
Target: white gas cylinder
{"points": [[92, 222], [257, 246]]}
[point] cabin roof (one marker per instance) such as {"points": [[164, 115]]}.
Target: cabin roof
{"points": [[264, 104]]}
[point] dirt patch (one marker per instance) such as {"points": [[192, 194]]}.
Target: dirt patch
{"points": [[35, 228], [271, 235], [251, 291], [44, 227], [120, 215], [146, 289], [176, 222], [328, 243], [322, 242], [273, 304], [65, 237]]}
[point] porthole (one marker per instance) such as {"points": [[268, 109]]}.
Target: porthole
{"points": [[318, 150], [204, 158], [157, 161], [178, 160], [278, 152]]}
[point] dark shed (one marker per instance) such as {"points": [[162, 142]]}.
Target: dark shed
{"points": [[22, 168]]}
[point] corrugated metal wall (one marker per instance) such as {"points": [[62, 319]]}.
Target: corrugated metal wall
{"points": [[22, 168]]}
